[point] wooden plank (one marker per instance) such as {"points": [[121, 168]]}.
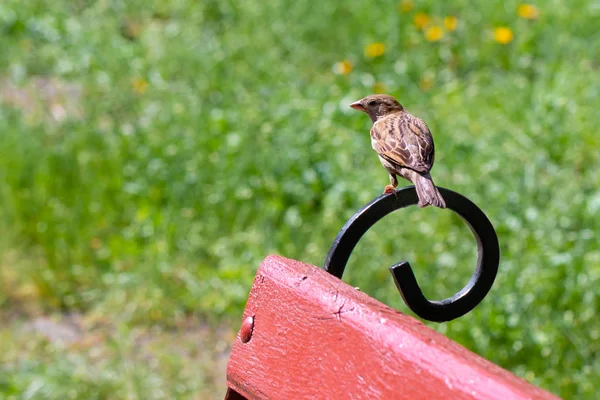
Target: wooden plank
{"points": [[308, 335]]}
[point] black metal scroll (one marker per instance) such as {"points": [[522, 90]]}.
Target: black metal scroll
{"points": [[439, 311]]}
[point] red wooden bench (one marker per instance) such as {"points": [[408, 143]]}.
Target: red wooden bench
{"points": [[307, 335]]}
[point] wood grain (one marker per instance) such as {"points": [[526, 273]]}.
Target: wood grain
{"points": [[315, 337]]}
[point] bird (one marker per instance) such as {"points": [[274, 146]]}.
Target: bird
{"points": [[404, 144]]}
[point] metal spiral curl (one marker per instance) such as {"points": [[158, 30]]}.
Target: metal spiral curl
{"points": [[438, 311]]}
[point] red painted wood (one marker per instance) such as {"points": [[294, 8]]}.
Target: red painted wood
{"points": [[315, 337]]}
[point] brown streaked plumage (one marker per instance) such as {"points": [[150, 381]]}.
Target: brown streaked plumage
{"points": [[404, 144]]}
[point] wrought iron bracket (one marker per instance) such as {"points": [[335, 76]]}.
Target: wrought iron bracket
{"points": [[438, 311]]}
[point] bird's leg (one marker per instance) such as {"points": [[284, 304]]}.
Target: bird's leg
{"points": [[391, 188]]}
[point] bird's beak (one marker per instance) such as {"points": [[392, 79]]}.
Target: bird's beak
{"points": [[357, 105]]}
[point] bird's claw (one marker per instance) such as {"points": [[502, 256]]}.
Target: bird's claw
{"points": [[389, 189]]}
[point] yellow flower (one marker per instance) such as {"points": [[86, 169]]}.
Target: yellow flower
{"points": [[406, 6], [527, 11], [434, 33], [375, 50], [450, 23], [343, 67], [378, 88], [421, 20], [139, 85], [503, 35]]}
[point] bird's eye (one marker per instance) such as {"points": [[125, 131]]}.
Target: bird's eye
{"points": [[372, 103]]}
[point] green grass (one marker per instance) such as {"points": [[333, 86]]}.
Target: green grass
{"points": [[88, 357], [153, 153]]}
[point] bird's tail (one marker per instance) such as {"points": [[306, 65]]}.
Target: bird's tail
{"points": [[427, 192]]}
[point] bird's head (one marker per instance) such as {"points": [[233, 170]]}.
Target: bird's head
{"points": [[377, 106]]}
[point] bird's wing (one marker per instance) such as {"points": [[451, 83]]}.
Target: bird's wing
{"points": [[405, 141]]}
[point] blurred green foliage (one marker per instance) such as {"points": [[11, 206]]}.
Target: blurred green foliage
{"points": [[154, 152]]}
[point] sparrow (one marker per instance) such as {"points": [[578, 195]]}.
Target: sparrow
{"points": [[404, 145]]}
